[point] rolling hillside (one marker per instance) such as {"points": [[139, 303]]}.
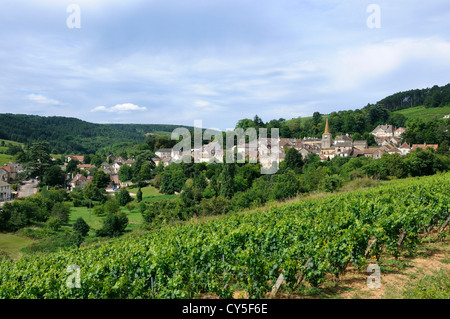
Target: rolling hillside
{"points": [[67, 135], [425, 113]]}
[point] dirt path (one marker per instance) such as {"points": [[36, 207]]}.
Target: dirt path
{"points": [[394, 274]]}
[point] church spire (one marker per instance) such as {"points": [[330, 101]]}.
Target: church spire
{"points": [[327, 129]]}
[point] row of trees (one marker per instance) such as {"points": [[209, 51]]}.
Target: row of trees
{"points": [[47, 208]]}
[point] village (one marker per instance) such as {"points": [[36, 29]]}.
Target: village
{"points": [[386, 136]]}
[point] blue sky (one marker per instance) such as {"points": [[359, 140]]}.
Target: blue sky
{"points": [[173, 62]]}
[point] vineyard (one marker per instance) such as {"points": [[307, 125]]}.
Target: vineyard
{"points": [[304, 241]]}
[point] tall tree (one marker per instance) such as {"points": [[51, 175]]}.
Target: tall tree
{"points": [[227, 180], [54, 176], [294, 160], [40, 158]]}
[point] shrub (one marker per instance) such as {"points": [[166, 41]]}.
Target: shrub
{"points": [[131, 206], [99, 210], [111, 206], [215, 206], [64, 240], [53, 223], [139, 195], [81, 226], [331, 183], [113, 225], [123, 197], [61, 211], [35, 232]]}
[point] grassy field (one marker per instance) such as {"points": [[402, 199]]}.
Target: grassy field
{"points": [[151, 194], [12, 244], [5, 158], [424, 113], [134, 217]]}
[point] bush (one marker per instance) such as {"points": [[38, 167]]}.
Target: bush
{"points": [[113, 225], [35, 233], [99, 210], [215, 206], [131, 206], [139, 195], [53, 223], [64, 240], [123, 197], [331, 183], [111, 206], [61, 211], [81, 226]]}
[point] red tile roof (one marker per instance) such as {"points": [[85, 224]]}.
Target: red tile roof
{"points": [[424, 146]]}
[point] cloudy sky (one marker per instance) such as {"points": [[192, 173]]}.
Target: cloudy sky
{"points": [[176, 61]]}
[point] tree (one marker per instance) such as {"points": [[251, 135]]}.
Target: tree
{"points": [[123, 197], [40, 158], [245, 124], [53, 223], [72, 166], [111, 206], [294, 160], [317, 118], [125, 173], [285, 185], [356, 137], [150, 140], [81, 227], [145, 173], [258, 122], [54, 176], [227, 179], [443, 148], [92, 192], [96, 160], [113, 225], [139, 195], [100, 179], [172, 179], [61, 211], [369, 138], [331, 183], [163, 141]]}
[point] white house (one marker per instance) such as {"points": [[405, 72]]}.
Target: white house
{"points": [[5, 191]]}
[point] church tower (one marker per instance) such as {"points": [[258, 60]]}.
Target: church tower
{"points": [[326, 137]]}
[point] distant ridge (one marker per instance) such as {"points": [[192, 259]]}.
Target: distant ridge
{"points": [[68, 134]]}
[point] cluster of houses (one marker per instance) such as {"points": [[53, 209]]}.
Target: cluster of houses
{"points": [[387, 137], [110, 167], [9, 173]]}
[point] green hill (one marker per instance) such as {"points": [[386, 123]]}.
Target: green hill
{"points": [[71, 135], [424, 113]]}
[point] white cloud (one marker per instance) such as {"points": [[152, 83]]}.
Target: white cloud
{"points": [[353, 67], [41, 99], [119, 108], [205, 106], [99, 108]]}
